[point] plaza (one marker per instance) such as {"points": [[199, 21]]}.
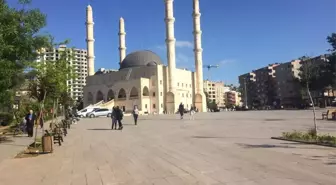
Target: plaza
{"points": [[225, 148]]}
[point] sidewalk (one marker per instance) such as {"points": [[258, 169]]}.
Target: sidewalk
{"points": [[17, 144]]}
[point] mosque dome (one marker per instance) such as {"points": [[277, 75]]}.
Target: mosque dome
{"points": [[140, 58]]}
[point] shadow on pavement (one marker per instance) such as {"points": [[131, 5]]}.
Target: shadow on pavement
{"points": [[220, 137], [99, 129], [263, 146]]}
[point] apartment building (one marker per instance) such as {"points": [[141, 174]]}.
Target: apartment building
{"points": [[232, 98], [247, 84], [278, 85], [216, 91], [323, 96], [79, 64], [288, 89]]}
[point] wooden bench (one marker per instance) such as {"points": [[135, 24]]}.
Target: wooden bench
{"points": [[328, 115], [58, 134]]}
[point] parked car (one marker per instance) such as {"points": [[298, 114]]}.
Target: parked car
{"points": [[84, 112], [99, 113]]}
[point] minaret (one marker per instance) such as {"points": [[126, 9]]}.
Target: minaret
{"points": [[170, 43], [90, 41], [198, 47], [122, 40]]}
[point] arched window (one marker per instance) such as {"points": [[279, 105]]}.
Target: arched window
{"points": [[110, 95], [122, 94], [134, 93], [145, 91], [90, 98], [99, 96]]}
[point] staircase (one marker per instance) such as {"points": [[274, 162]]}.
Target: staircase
{"points": [[108, 104], [128, 74]]}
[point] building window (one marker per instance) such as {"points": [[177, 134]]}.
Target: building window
{"points": [[145, 106], [161, 105], [182, 84], [160, 93], [154, 106], [178, 84], [182, 95], [160, 82], [153, 94]]}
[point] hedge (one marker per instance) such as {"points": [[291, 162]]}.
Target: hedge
{"points": [[6, 118]]}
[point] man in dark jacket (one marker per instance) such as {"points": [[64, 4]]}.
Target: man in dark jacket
{"points": [[30, 121], [181, 110], [119, 116]]}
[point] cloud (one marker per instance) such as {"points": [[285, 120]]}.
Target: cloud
{"points": [[183, 58], [227, 61], [178, 44], [184, 44]]}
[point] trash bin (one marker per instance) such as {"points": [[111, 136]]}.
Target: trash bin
{"points": [[47, 144]]}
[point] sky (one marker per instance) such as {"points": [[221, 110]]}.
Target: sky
{"points": [[238, 35]]}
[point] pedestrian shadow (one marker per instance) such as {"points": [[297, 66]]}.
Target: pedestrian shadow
{"points": [[99, 129]]}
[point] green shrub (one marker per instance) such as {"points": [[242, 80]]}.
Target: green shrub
{"points": [[310, 136], [6, 118]]}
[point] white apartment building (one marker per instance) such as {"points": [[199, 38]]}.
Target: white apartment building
{"points": [[216, 91], [79, 64]]}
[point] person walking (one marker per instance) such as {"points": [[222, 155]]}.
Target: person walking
{"points": [[114, 118], [135, 114], [30, 120], [119, 117], [192, 112], [181, 109]]}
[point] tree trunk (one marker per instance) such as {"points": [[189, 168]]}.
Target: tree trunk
{"points": [[53, 116], [39, 117], [312, 102]]}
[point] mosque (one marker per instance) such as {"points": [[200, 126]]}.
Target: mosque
{"points": [[143, 79]]}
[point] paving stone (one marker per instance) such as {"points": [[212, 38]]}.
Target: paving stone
{"points": [[227, 148]]}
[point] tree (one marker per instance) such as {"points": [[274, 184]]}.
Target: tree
{"points": [[332, 60], [309, 74], [19, 39], [50, 80]]}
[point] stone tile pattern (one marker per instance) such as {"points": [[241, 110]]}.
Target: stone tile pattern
{"points": [[229, 148]]}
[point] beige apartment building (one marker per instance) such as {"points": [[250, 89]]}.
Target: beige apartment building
{"points": [[287, 86], [79, 64], [216, 92]]}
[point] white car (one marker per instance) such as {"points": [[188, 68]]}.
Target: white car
{"points": [[100, 112], [84, 112]]}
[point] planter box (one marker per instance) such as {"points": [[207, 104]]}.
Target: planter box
{"points": [[305, 142], [47, 144]]}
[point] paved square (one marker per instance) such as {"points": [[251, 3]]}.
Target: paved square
{"points": [[231, 148]]}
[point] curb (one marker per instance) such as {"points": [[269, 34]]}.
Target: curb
{"points": [[305, 142]]}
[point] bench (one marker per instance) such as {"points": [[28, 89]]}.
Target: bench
{"points": [[58, 134], [328, 115]]}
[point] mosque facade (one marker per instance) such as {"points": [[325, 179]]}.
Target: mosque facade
{"points": [[142, 78]]}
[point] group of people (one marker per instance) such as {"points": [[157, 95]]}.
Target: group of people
{"points": [[192, 111], [117, 115]]}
